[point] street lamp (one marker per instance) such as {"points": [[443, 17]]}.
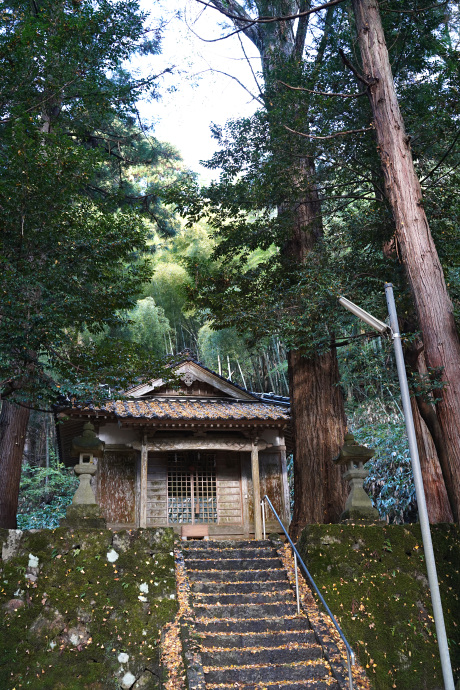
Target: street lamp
{"points": [[393, 329]]}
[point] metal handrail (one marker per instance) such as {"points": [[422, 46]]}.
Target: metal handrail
{"points": [[350, 653]]}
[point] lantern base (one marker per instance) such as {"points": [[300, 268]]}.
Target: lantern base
{"points": [[361, 517], [83, 516]]}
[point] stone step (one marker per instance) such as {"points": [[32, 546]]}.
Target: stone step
{"points": [[281, 585], [232, 564], [251, 598], [236, 575], [245, 657], [225, 544], [263, 639], [257, 674], [255, 625], [328, 684], [245, 610], [225, 554]]}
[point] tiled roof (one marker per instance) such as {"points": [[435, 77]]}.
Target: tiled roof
{"points": [[195, 409]]}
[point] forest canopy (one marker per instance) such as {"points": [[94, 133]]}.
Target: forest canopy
{"points": [[115, 256]]}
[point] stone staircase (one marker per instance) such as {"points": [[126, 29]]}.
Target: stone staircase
{"points": [[246, 619]]}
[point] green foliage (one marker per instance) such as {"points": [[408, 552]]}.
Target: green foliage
{"points": [[390, 482], [222, 343], [44, 494], [266, 170], [72, 245], [150, 327]]}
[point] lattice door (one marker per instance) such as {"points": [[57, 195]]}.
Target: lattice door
{"points": [[192, 488]]}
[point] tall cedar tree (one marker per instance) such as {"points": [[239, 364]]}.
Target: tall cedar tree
{"points": [[349, 175], [316, 401], [423, 268], [70, 258]]}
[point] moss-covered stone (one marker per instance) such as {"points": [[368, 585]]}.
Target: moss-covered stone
{"points": [[90, 613], [374, 580], [83, 516]]}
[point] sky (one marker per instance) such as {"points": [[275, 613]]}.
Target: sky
{"points": [[194, 95]]}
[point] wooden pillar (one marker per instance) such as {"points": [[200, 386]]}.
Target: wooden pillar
{"points": [[245, 494], [143, 487], [256, 490], [285, 498]]}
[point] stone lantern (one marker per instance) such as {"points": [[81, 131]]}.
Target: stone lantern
{"points": [[84, 510], [358, 506]]}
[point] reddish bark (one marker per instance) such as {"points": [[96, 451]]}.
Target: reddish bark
{"points": [[319, 426], [431, 442], [13, 430], [437, 501], [317, 405], [418, 252], [316, 402]]}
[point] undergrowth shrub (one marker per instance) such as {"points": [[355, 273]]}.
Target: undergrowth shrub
{"points": [[44, 495]]}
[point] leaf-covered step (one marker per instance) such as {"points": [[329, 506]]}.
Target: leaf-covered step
{"points": [[259, 625], [263, 639], [225, 544], [309, 670], [252, 598], [224, 554], [244, 657], [208, 575], [328, 684], [233, 564], [281, 585], [245, 610]]}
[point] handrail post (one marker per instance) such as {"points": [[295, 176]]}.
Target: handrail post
{"points": [[350, 654], [262, 505], [297, 584]]}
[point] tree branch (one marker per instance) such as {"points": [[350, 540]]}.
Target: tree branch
{"points": [[218, 71], [322, 93], [422, 9], [250, 65], [40, 103], [329, 136], [242, 21], [216, 4], [443, 158], [302, 28], [368, 82]]}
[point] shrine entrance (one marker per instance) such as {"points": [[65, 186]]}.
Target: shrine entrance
{"points": [[192, 491]]}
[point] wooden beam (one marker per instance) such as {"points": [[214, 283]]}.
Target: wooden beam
{"points": [[143, 491], [256, 490], [195, 443]]}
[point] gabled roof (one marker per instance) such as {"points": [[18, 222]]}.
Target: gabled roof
{"points": [[195, 409], [189, 371]]}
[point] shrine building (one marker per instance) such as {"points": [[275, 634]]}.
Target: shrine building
{"points": [[197, 458]]}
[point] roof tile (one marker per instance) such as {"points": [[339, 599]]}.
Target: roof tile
{"points": [[195, 409]]}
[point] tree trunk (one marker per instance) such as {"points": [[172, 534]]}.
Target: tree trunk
{"points": [[437, 501], [317, 407], [436, 448], [418, 252], [319, 425], [13, 430]]}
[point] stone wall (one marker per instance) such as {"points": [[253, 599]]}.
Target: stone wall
{"points": [[374, 580], [84, 609]]}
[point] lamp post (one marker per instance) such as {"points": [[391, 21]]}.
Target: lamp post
{"points": [[416, 469]]}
